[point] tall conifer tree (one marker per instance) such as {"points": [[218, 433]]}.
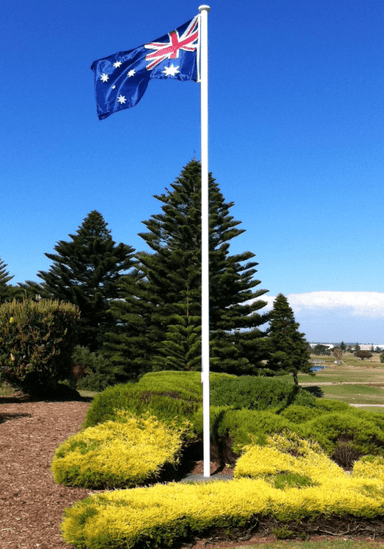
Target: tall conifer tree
{"points": [[163, 308], [85, 271], [288, 348], [7, 291]]}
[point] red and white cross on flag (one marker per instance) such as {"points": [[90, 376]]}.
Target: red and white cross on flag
{"points": [[188, 41]]}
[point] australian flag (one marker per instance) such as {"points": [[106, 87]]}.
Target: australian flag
{"points": [[121, 79]]}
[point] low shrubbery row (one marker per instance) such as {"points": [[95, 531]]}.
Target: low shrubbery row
{"points": [[343, 432], [311, 487], [284, 472]]}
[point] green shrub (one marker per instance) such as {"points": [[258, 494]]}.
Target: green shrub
{"points": [[332, 405], [186, 384], [36, 343], [132, 398], [92, 371], [258, 393], [163, 394], [301, 414], [241, 427], [346, 436], [291, 480]]}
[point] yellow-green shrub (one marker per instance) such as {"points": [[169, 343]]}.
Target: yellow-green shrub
{"points": [[287, 454], [369, 467], [158, 515], [118, 453]]}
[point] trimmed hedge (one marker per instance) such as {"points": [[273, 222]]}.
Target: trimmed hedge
{"points": [[259, 393], [131, 398], [342, 431], [164, 394]]}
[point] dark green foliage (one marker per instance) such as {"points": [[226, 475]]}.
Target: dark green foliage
{"points": [[334, 406], [7, 291], [287, 347], [36, 344], [85, 272], [33, 290], [301, 414], [320, 349], [363, 354], [258, 393], [160, 318], [242, 427], [346, 436], [91, 370]]}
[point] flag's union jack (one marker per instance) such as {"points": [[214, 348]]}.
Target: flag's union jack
{"points": [[188, 41], [122, 78]]}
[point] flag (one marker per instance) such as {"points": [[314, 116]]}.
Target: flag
{"points": [[121, 79]]}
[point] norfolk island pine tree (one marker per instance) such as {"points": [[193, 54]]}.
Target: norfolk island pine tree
{"points": [[159, 319], [287, 348], [86, 271]]}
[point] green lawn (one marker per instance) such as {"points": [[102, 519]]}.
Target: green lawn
{"points": [[355, 381]]}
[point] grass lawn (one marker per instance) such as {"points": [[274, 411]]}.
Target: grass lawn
{"points": [[355, 381]]}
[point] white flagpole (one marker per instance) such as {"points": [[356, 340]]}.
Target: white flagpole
{"points": [[204, 234]]}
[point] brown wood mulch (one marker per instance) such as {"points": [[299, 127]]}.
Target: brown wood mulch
{"points": [[32, 505]]}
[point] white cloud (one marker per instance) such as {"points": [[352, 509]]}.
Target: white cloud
{"points": [[365, 304]]}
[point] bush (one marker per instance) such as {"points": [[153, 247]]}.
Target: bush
{"points": [[287, 454], [363, 354], [333, 405], [36, 343], [163, 394], [239, 428], [139, 401], [187, 384], [346, 436], [91, 370], [369, 467], [301, 414], [123, 453], [162, 515], [258, 393]]}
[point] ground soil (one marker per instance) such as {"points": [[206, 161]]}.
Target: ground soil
{"points": [[31, 504]]}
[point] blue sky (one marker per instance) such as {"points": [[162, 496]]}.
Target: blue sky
{"points": [[296, 95]]}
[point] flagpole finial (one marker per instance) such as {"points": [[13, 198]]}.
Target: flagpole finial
{"points": [[206, 8]]}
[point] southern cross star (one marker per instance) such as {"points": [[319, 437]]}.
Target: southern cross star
{"points": [[132, 72], [104, 77], [171, 71], [121, 99], [117, 64]]}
